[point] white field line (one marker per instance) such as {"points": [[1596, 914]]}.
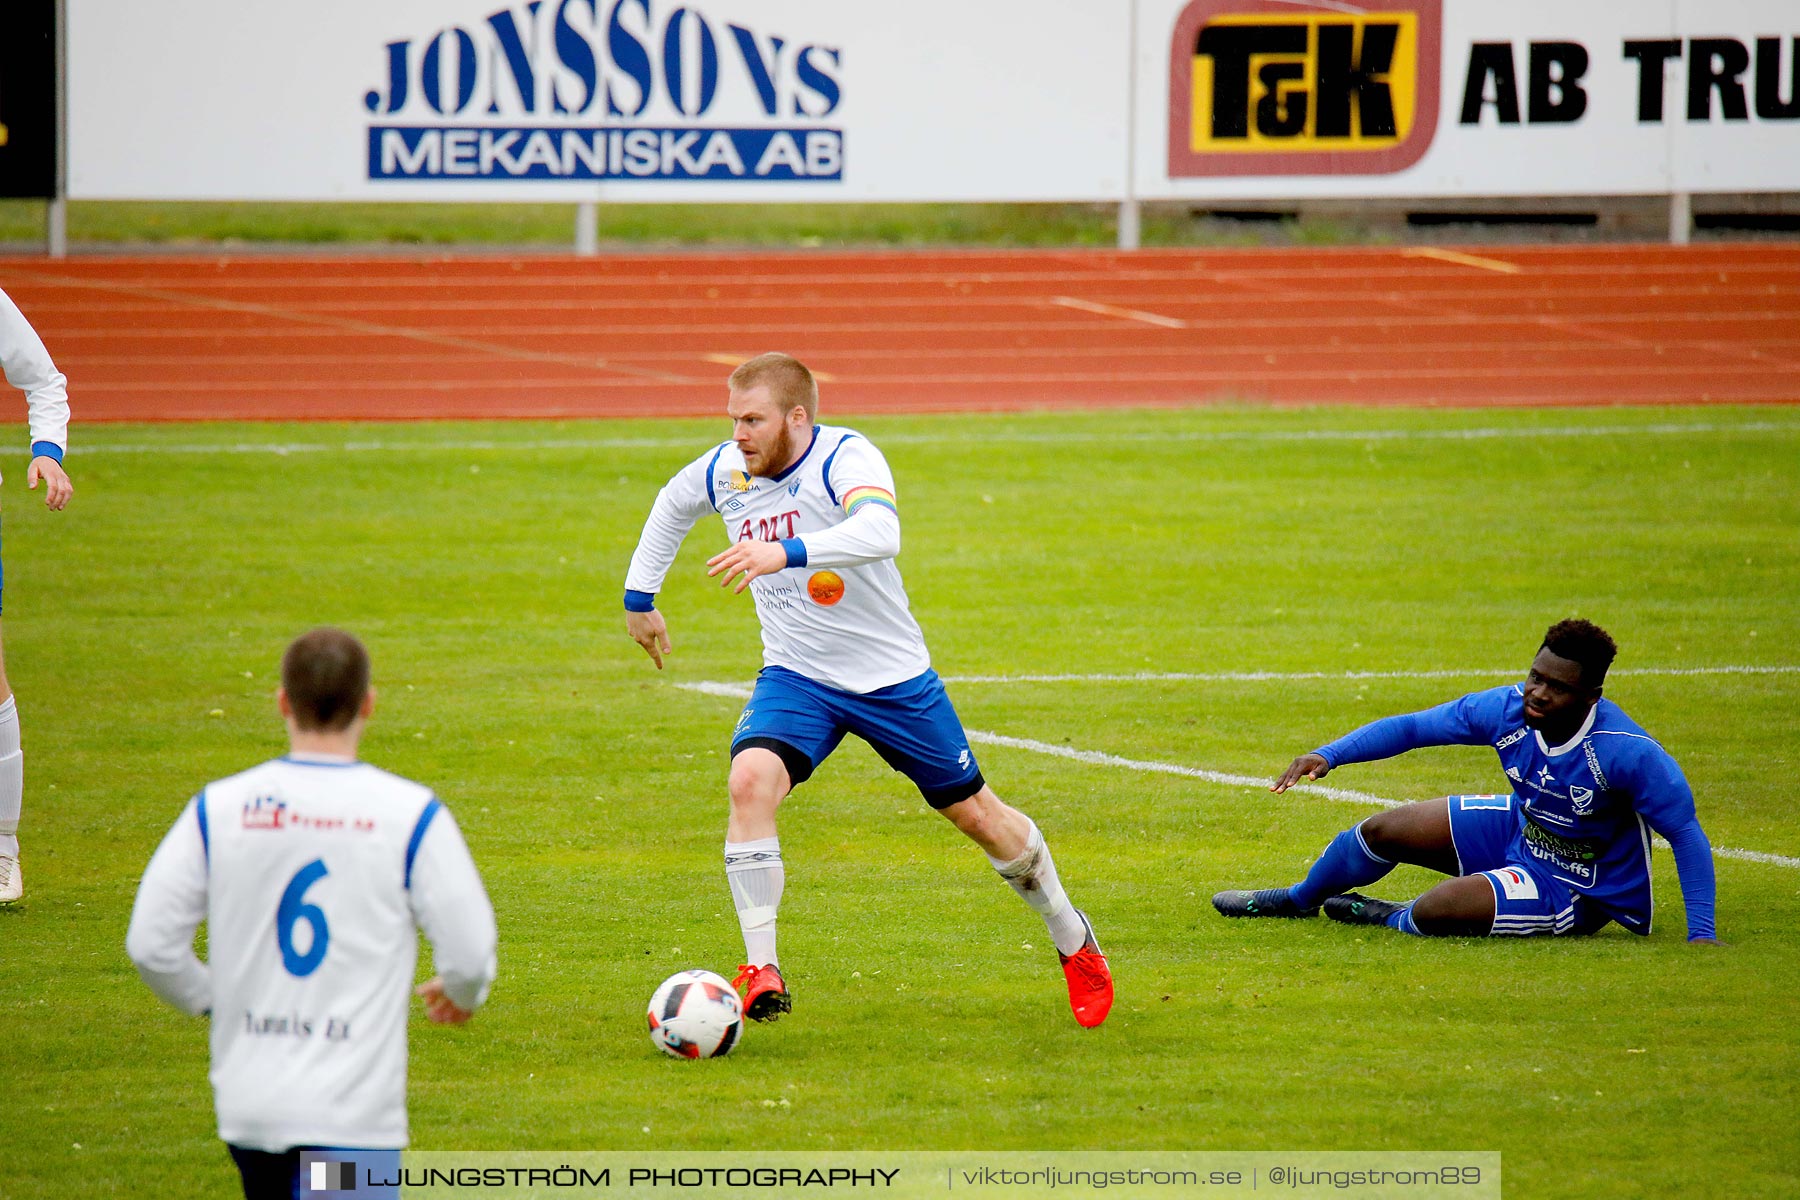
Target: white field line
{"points": [[459, 445], [739, 691], [1282, 676]]}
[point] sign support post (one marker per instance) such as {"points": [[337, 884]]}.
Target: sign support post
{"points": [[56, 215]]}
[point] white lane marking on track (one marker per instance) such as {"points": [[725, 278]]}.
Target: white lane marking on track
{"points": [[727, 359], [1017, 437], [739, 691], [1464, 260], [1113, 310]]}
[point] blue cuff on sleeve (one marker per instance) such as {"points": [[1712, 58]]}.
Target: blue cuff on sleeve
{"points": [[46, 450], [639, 601], [796, 551]]}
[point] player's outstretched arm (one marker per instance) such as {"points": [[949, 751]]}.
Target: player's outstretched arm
{"points": [[57, 488], [1307, 766], [1466, 721], [649, 630]]}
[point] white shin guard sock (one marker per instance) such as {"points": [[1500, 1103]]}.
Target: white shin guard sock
{"points": [[1033, 876], [756, 875], [12, 777]]}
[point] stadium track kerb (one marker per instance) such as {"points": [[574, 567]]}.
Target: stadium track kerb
{"points": [[635, 335]]}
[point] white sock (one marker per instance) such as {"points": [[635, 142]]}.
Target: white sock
{"points": [[1033, 876], [12, 777], [754, 871]]}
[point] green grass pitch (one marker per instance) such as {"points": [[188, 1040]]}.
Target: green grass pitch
{"points": [[483, 565]]}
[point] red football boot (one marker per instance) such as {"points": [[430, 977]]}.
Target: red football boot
{"points": [[765, 991], [1090, 979]]}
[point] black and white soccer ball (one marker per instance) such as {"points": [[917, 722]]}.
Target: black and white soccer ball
{"points": [[695, 1014]]}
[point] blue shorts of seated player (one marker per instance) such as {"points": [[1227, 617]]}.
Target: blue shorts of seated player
{"points": [[1528, 900], [912, 725]]}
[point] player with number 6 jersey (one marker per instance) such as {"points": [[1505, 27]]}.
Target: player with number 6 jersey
{"points": [[313, 872]]}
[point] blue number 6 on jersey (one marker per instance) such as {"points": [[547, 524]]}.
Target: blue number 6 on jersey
{"points": [[291, 911]]}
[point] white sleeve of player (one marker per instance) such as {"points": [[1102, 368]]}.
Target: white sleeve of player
{"points": [[679, 506], [861, 481], [28, 368], [870, 534], [451, 906], [171, 903]]}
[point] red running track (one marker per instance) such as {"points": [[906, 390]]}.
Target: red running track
{"points": [[280, 337]]}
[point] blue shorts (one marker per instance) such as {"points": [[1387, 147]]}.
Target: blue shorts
{"points": [[1527, 899], [911, 725]]}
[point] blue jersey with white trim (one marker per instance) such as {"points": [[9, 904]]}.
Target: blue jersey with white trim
{"points": [[1586, 807]]}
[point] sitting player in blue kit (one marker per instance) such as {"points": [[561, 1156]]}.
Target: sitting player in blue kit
{"points": [[1565, 852]]}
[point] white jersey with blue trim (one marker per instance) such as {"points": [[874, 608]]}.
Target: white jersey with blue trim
{"points": [[841, 618], [312, 874]]}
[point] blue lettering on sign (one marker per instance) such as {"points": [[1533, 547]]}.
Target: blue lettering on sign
{"points": [[646, 92], [629, 57], [490, 152]]}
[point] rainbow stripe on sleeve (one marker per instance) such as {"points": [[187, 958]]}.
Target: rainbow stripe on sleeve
{"points": [[855, 498]]}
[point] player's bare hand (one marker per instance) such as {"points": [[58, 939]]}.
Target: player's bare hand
{"points": [[58, 489], [439, 1008], [753, 559], [1307, 766], [649, 630]]}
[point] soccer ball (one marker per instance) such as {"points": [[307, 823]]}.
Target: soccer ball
{"points": [[695, 1014]]}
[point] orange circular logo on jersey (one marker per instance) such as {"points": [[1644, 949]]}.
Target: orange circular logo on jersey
{"points": [[825, 587]]}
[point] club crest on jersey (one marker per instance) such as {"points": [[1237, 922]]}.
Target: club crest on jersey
{"points": [[265, 812], [794, 488], [1583, 799]]}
